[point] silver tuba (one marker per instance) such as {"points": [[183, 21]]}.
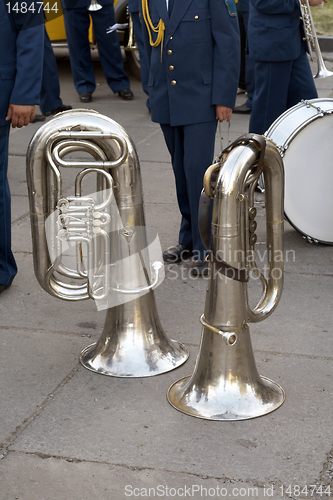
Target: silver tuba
{"points": [[312, 40], [111, 251], [225, 384]]}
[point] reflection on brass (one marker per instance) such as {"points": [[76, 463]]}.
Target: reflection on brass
{"points": [[133, 342], [225, 384]]}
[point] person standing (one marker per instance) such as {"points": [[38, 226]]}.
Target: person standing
{"points": [[193, 51], [50, 100], [22, 34], [243, 8], [134, 11], [77, 21], [283, 75]]}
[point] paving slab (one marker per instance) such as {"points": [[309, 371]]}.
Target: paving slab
{"points": [[121, 421], [30, 372], [68, 433], [50, 478]]}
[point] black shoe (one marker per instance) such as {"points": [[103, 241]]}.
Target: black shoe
{"points": [[86, 97], [126, 94], [63, 107], [177, 254], [199, 268], [38, 118], [242, 110], [3, 288]]}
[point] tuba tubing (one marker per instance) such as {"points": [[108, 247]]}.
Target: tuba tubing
{"points": [[45, 184], [274, 185], [225, 384]]}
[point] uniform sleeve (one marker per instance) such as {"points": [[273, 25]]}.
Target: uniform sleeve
{"points": [[225, 31], [275, 6], [29, 55]]}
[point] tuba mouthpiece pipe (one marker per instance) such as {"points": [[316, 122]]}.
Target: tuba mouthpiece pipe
{"points": [[230, 338]]}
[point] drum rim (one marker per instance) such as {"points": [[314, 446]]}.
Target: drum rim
{"points": [[296, 106], [307, 236], [282, 148]]}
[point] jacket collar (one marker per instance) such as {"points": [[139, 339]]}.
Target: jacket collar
{"points": [[177, 13], [162, 10]]}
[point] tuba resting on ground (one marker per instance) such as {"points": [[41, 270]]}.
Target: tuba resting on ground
{"points": [[225, 384], [107, 231]]}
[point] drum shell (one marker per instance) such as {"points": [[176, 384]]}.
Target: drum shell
{"points": [[303, 135]]}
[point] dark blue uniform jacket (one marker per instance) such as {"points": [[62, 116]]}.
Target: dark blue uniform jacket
{"points": [[200, 60], [274, 30], [21, 57]]}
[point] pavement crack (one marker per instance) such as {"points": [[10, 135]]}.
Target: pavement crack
{"points": [[148, 137], [21, 218], [4, 447], [224, 479], [302, 273]]}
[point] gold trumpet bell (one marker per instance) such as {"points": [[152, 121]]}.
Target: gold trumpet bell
{"points": [[228, 386], [133, 343]]}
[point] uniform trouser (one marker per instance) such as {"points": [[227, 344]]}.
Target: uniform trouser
{"points": [[77, 27], [144, 70], [278, 87], [249, 66], [8, 267], [192, 152], [50, 91]]}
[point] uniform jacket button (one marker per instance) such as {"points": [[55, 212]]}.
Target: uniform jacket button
{"points": [[169, 52], [173, 82], [171, 68]]}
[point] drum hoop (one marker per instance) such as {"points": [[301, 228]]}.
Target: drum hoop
{"points": [[320, 114], [307, 237]]}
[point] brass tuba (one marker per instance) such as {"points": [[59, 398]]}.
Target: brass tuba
{"points": [[133, 343], [225, 384], [312, 40]]}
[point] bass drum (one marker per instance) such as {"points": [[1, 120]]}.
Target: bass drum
{"points": [[304, 137]]}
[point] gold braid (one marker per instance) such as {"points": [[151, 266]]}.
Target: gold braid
{"points": [[159, 29]]}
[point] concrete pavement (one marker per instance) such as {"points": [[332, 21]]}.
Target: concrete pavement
{"points": [[69, 434]]}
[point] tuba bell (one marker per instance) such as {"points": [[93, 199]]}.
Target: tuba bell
{"points": [[225, 384], [133, 342]]}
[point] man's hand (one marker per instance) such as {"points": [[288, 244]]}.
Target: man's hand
{"points": [[20, 115], [315, 3], [223, 113]]}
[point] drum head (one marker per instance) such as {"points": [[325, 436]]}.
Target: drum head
{"points": [[308, 163]]}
